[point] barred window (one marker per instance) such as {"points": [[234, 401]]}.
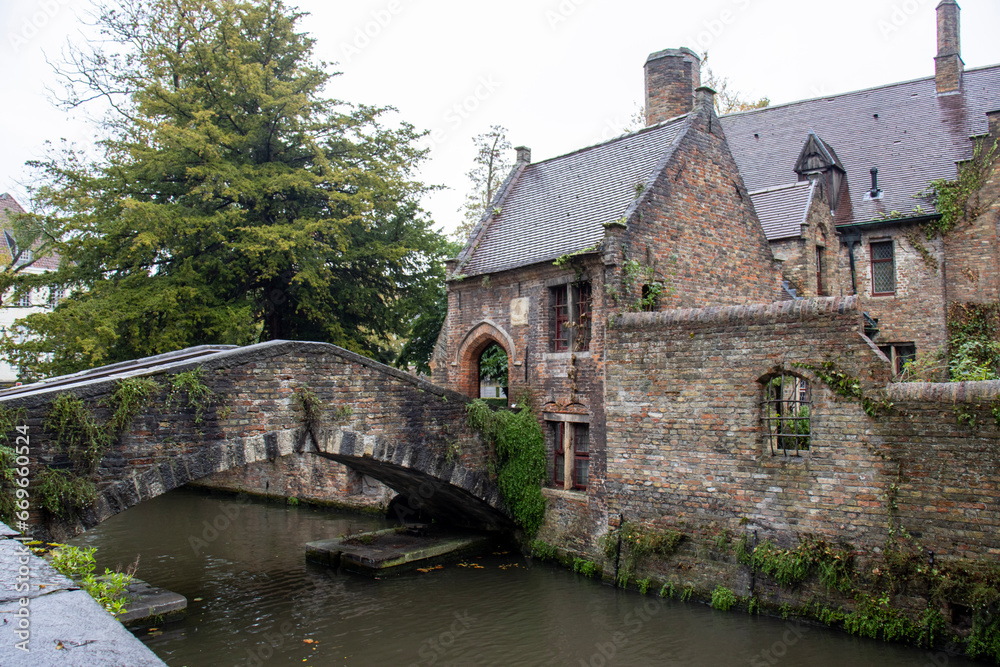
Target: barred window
{"points": [[883, 269], [785, 410]]}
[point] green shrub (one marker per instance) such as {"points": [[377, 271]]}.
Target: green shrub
{"points": [[723, 598], [110, 590], [61, 492]]}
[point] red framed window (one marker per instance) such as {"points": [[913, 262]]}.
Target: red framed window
{"points": [[883, 269], [580, 442], [571, 317], [582, 340], [560, 318]]}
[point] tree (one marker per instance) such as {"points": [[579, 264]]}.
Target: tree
{"points": [[490, 167], [232, 202], [726, 100]]}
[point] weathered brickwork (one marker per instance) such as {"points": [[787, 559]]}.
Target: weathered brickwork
{"points": [[308, 478], [384, 423], [687, 450], [697, 225], [916, 311], [798, 256]]}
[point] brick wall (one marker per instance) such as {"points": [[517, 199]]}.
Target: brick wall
{"points": [[686, 448], [256, 418], [916, 312], [698, 227]]}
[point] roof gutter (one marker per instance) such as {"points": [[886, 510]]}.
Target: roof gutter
{"points": [[875, 224]]}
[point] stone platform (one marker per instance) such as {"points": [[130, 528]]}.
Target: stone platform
{"points": [[395, 550]]}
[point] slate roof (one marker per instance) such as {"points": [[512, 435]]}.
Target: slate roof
{"points": [[559, 206], [782, 210], [906, 130]]}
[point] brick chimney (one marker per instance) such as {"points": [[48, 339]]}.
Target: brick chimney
{"points": [[672, 76], [948, 64]]}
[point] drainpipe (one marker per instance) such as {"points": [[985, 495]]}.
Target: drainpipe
{"points": [[618, 549], [850, 241]]}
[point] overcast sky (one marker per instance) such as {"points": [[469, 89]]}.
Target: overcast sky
{"points": [[559, 74]]}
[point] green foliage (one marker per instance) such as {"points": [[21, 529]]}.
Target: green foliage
{"points": [[61, 492], [543, 550], [311, 407], [132, 396], [877, 619], [587, 568], [644, 585], [957, 200], [76, 430], [638, 543], [191, 385], [931, 628], [110, 590], [639, 290], [753, 605], [848, 386], [790, 567], [687, 593], [493, 365], [229, 200], [10, 419], [723, 598], [973, 349], [519, 448], [668, 590]]}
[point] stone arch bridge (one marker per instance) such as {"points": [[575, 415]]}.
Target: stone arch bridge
{"points": [[401, 430]]}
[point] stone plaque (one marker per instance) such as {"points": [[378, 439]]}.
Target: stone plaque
{"points": [[519, 311]]}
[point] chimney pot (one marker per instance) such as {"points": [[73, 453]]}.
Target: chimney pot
{"points": [[671, 76], [948, 65], [523, 154], [704, 97]]}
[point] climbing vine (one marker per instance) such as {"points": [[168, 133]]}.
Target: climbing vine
{"points": [[639, 289], [310, 405], [973, 349], [191, 384], [519, 451], [958, 199], [848, 386], [638, 543], [913, 238]]}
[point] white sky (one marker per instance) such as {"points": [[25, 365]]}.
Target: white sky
{"points": [[559, 74]]}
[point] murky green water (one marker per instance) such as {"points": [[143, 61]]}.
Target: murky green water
{"points": [[255, 601]]}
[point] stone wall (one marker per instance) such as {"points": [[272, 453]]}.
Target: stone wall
{"points": [[368, 412]]}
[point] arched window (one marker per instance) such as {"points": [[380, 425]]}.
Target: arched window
{"points": [[785, 410], [493, 372]]}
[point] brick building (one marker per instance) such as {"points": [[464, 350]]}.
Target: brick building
{"points": [[822, 197]]}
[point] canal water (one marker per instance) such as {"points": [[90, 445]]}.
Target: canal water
{"points": [[253, 600]]}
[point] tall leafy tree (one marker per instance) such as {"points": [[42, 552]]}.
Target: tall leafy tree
{"points": [[489, 169], [232, 201]]}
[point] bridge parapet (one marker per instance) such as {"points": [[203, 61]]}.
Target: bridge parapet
{"points": [[404, 431]]}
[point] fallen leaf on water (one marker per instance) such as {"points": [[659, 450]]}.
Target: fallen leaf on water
{"points": [[309, 641], [197, 600], [59, 646]]}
